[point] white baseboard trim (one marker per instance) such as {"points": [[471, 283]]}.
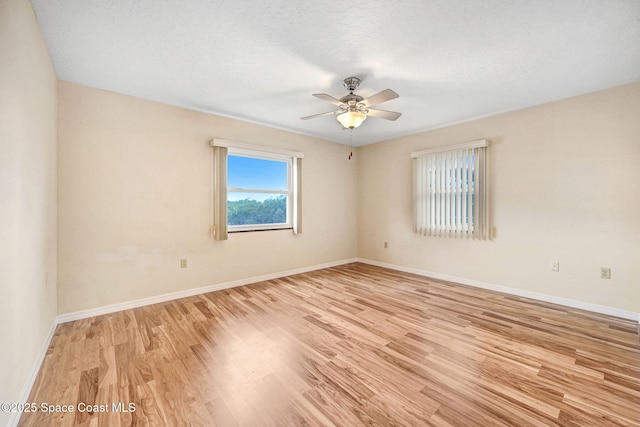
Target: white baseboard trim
{"points": [[596, 308], [14, 418], [83, 314]]}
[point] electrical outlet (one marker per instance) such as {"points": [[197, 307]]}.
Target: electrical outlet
{"points": [[555, 266], [183, 263], [386, 245], [605, 273]]}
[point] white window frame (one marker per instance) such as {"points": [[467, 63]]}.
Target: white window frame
{"points": [[445, 202], [288, 224]]}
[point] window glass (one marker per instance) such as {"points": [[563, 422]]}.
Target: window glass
{"points": [[255, 173], [254, 208], [258, 193]]}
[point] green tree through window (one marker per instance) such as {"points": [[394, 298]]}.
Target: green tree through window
{"points": [[250, 211]]}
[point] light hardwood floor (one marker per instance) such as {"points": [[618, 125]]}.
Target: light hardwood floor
{"points": [[348, 346]]}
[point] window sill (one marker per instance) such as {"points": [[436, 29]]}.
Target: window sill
{"points": [[251, 230]]}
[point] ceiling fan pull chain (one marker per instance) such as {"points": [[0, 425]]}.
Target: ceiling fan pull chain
{"points": [[350, 143]]}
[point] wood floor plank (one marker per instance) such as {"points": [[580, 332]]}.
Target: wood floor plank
{"points": [[352, 345]]}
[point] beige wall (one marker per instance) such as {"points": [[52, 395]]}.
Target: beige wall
{"points": [[565, 179], [27, 197], [134, 197]]}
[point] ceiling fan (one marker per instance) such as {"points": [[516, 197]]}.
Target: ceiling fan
{"points": [[355, 109]]}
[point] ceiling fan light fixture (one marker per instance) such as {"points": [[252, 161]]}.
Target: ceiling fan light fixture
{"points": [[351, 119]]}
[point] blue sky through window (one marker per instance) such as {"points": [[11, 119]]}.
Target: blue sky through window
{"points": [[255, 174]]}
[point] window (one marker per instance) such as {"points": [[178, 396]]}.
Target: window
{"points": [[255, 188], [451, 191], [258, 192]]}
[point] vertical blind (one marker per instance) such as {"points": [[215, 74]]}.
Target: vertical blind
{"points": [[451, 191]]}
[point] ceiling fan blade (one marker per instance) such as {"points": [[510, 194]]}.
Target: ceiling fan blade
{"points": [[380, 97], [328, 98], [382, 114], [319, 115]]}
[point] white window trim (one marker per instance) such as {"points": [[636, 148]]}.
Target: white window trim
{"points": [[253, 149], [288, 225], [473, 144]]}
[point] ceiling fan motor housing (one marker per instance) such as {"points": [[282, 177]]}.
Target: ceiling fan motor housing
{"points": [[352, 101]]}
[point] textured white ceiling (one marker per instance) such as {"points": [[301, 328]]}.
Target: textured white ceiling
{"points": [[449, 60]]}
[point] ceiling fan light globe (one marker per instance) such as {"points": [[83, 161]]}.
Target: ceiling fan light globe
{"points": [[351, 119]]}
